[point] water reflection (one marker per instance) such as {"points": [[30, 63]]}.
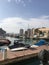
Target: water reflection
{"points": [[31, 61], [26, 41]]}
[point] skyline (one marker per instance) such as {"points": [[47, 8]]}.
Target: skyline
{"points": [[16, 14]]}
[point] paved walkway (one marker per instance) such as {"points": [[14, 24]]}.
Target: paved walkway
{"points": [[17, 54]]}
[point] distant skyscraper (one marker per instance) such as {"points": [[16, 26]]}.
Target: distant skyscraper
{"points": [[21, 32], [2, 32], [29, 33], [33, 32], [26, 34]]}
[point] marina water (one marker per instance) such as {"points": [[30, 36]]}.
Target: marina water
{"points": [[26, 41]]}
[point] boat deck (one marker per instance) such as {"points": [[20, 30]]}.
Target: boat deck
{"points": [[21, 55]]}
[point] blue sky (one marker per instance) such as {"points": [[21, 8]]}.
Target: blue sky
{"points": [[23, 8], [16, 14]]}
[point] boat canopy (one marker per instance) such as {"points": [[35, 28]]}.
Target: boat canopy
{"points": [[41, 42]]}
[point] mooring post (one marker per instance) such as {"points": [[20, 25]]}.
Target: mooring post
{"points": [[4, 54]]}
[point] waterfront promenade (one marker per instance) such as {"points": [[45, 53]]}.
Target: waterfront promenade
{"points": [[21, 55]]}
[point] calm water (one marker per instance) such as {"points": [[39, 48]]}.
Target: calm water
{"points": [[32, 61], [27, 41]]}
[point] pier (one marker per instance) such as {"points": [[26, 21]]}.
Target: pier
{"points": [[16, 56]]}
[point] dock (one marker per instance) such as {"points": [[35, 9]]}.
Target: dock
{"points": [[16, 56]]}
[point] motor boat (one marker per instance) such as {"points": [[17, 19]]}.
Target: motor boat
{"points": [[39, 43], [4, 42], [19, 43]]}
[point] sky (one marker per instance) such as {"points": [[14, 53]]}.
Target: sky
{"points": [[17, 14]]}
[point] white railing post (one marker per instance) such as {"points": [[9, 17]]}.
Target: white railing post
{"points": [[4, 52]]}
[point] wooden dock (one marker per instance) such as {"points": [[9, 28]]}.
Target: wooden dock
{"points": [[21, 55]]}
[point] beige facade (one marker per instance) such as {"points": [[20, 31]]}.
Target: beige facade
{"points": [[45, 31], [40, 32]]}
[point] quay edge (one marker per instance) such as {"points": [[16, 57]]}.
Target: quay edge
{"points": [[8, 61]]}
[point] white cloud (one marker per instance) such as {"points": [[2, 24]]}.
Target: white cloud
{"points": [[9, 0], [16, 1], [45, 17], [20, 2], [13, 24]]}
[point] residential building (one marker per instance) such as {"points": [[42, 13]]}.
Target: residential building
{"points": [[45, 31], [26, 34], [21, 32], [2, 32]]}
